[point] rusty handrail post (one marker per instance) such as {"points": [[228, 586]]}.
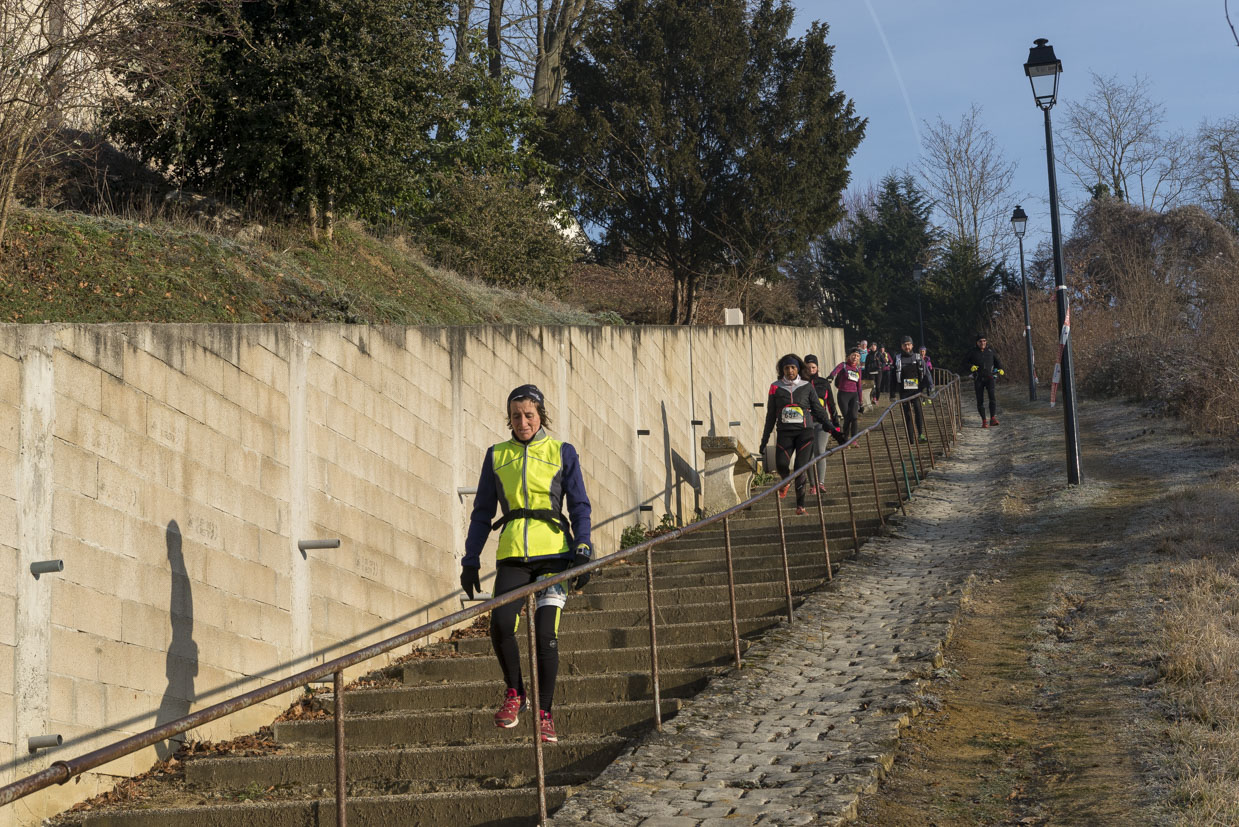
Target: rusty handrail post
{"points": [[895, 477], [916, 471], [929, 441], [649, 587], [787, 575], [873, 473], [731, 592], [535, 706], [946, 443], [915, 406], [337, 680], [821, 515], [847, 484]]}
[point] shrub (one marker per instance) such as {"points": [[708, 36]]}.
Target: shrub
{"points": [[496, 230]]}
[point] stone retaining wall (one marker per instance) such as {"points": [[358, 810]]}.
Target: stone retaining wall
{"points": [[174, 468]]}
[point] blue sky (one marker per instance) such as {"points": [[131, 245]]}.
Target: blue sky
{"points": [[953, 53]]}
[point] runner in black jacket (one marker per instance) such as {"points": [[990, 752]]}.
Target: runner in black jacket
{"points": [[791, 406], [985, 367], [909, 376]]}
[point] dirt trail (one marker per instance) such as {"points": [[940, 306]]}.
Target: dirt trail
{"points": [[1048, 710]]}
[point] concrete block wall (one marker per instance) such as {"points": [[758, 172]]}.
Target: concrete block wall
{"points": [[174, 468]]}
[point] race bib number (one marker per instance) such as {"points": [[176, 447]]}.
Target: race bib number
{"points": [[911, 384], [854, 375], [792, 415]]}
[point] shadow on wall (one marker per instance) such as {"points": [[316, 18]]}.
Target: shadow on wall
{"points": [[678, 472], [181, 666]]}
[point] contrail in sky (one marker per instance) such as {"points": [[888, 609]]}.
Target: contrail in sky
{"points": [[907, 102]]}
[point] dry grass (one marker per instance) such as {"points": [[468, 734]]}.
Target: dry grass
{"points": [[1198, 651]]}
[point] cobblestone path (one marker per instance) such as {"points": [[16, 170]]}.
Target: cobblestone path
{"points": [[812, 721]]}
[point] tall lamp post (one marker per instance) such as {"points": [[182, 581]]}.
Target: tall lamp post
{"points": [[1019, 223], [917, 275], [1043, 69]]}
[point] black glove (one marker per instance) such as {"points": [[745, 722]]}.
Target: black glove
{"points": [[469, 580], [834, 420], [583, 555], [839, 436]]}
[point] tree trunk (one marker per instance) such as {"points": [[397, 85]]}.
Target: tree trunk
{"points": [[690, 306], [674, 317], [329, 215], [9, 185], [494, 38], [311, 203], [464, 10]]}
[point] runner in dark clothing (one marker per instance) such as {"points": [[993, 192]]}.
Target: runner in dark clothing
{"points": [[791, 406], [884, 359], [985, 367], [847, 378], [873, 372], [821, 385], [909, 377]]}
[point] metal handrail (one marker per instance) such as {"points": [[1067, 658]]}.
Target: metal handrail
{"points": [[60, 772]]}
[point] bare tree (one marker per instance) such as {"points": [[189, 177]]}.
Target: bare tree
{"points": [[1114, 145], [1216, 170], [528, 38], [52, 72], [964, 170]]}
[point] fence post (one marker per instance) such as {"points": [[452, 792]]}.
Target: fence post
{"points": [[895, 477], [731, 591], [787, 576], [847, 485], [821, 514], [873, 474], [649, 588], [535, 706], [341, 787]]}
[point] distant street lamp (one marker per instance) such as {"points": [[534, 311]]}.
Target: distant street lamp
{"points": [[1043, 69], [1019, 223], [917, 275]]}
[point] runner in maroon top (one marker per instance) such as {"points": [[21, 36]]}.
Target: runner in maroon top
{"points": [[847, 379]]}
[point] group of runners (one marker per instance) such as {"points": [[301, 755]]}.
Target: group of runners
{"points": [[532, 478]]}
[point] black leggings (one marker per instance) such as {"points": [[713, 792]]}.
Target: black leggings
{"points": [[505, 620], [849, 409], [984, 385], [798, 444], [913, 418]]}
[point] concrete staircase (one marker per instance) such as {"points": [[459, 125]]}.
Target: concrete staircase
{"points": [[427, 752]]}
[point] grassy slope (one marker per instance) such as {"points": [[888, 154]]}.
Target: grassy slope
{"points": [[69, 267]]}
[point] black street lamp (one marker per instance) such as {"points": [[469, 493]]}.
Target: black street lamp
{"points": [[917, 275], [1043, 69], [1019, 223]]}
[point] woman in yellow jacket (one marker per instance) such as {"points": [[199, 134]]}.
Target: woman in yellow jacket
{"points": [[529, 478]]}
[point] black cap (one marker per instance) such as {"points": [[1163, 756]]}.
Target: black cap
{"points": [[907, 340], [526, 392], [810, 359], [980, 336]]}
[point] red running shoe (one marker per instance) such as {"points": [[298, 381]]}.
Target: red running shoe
{"points": [[546, 727], [783, 492], [508, 714], [993, 420], [984, 422], [800, 512]]}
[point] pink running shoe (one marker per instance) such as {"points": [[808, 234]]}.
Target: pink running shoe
{"points": [[546, 727], [509, 714]]}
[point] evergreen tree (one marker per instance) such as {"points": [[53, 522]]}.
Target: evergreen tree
{"points": [[960, 301], [701, 136], [321, 105], [865, 268]]}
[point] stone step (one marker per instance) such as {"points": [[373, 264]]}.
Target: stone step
{"points": [[631, 686], [591, 662], [470, 726], [621, 638], [770, 574], [636, 598], [759, 555], [796, 529], [667, 565], [516, 807], [572, 755]]}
